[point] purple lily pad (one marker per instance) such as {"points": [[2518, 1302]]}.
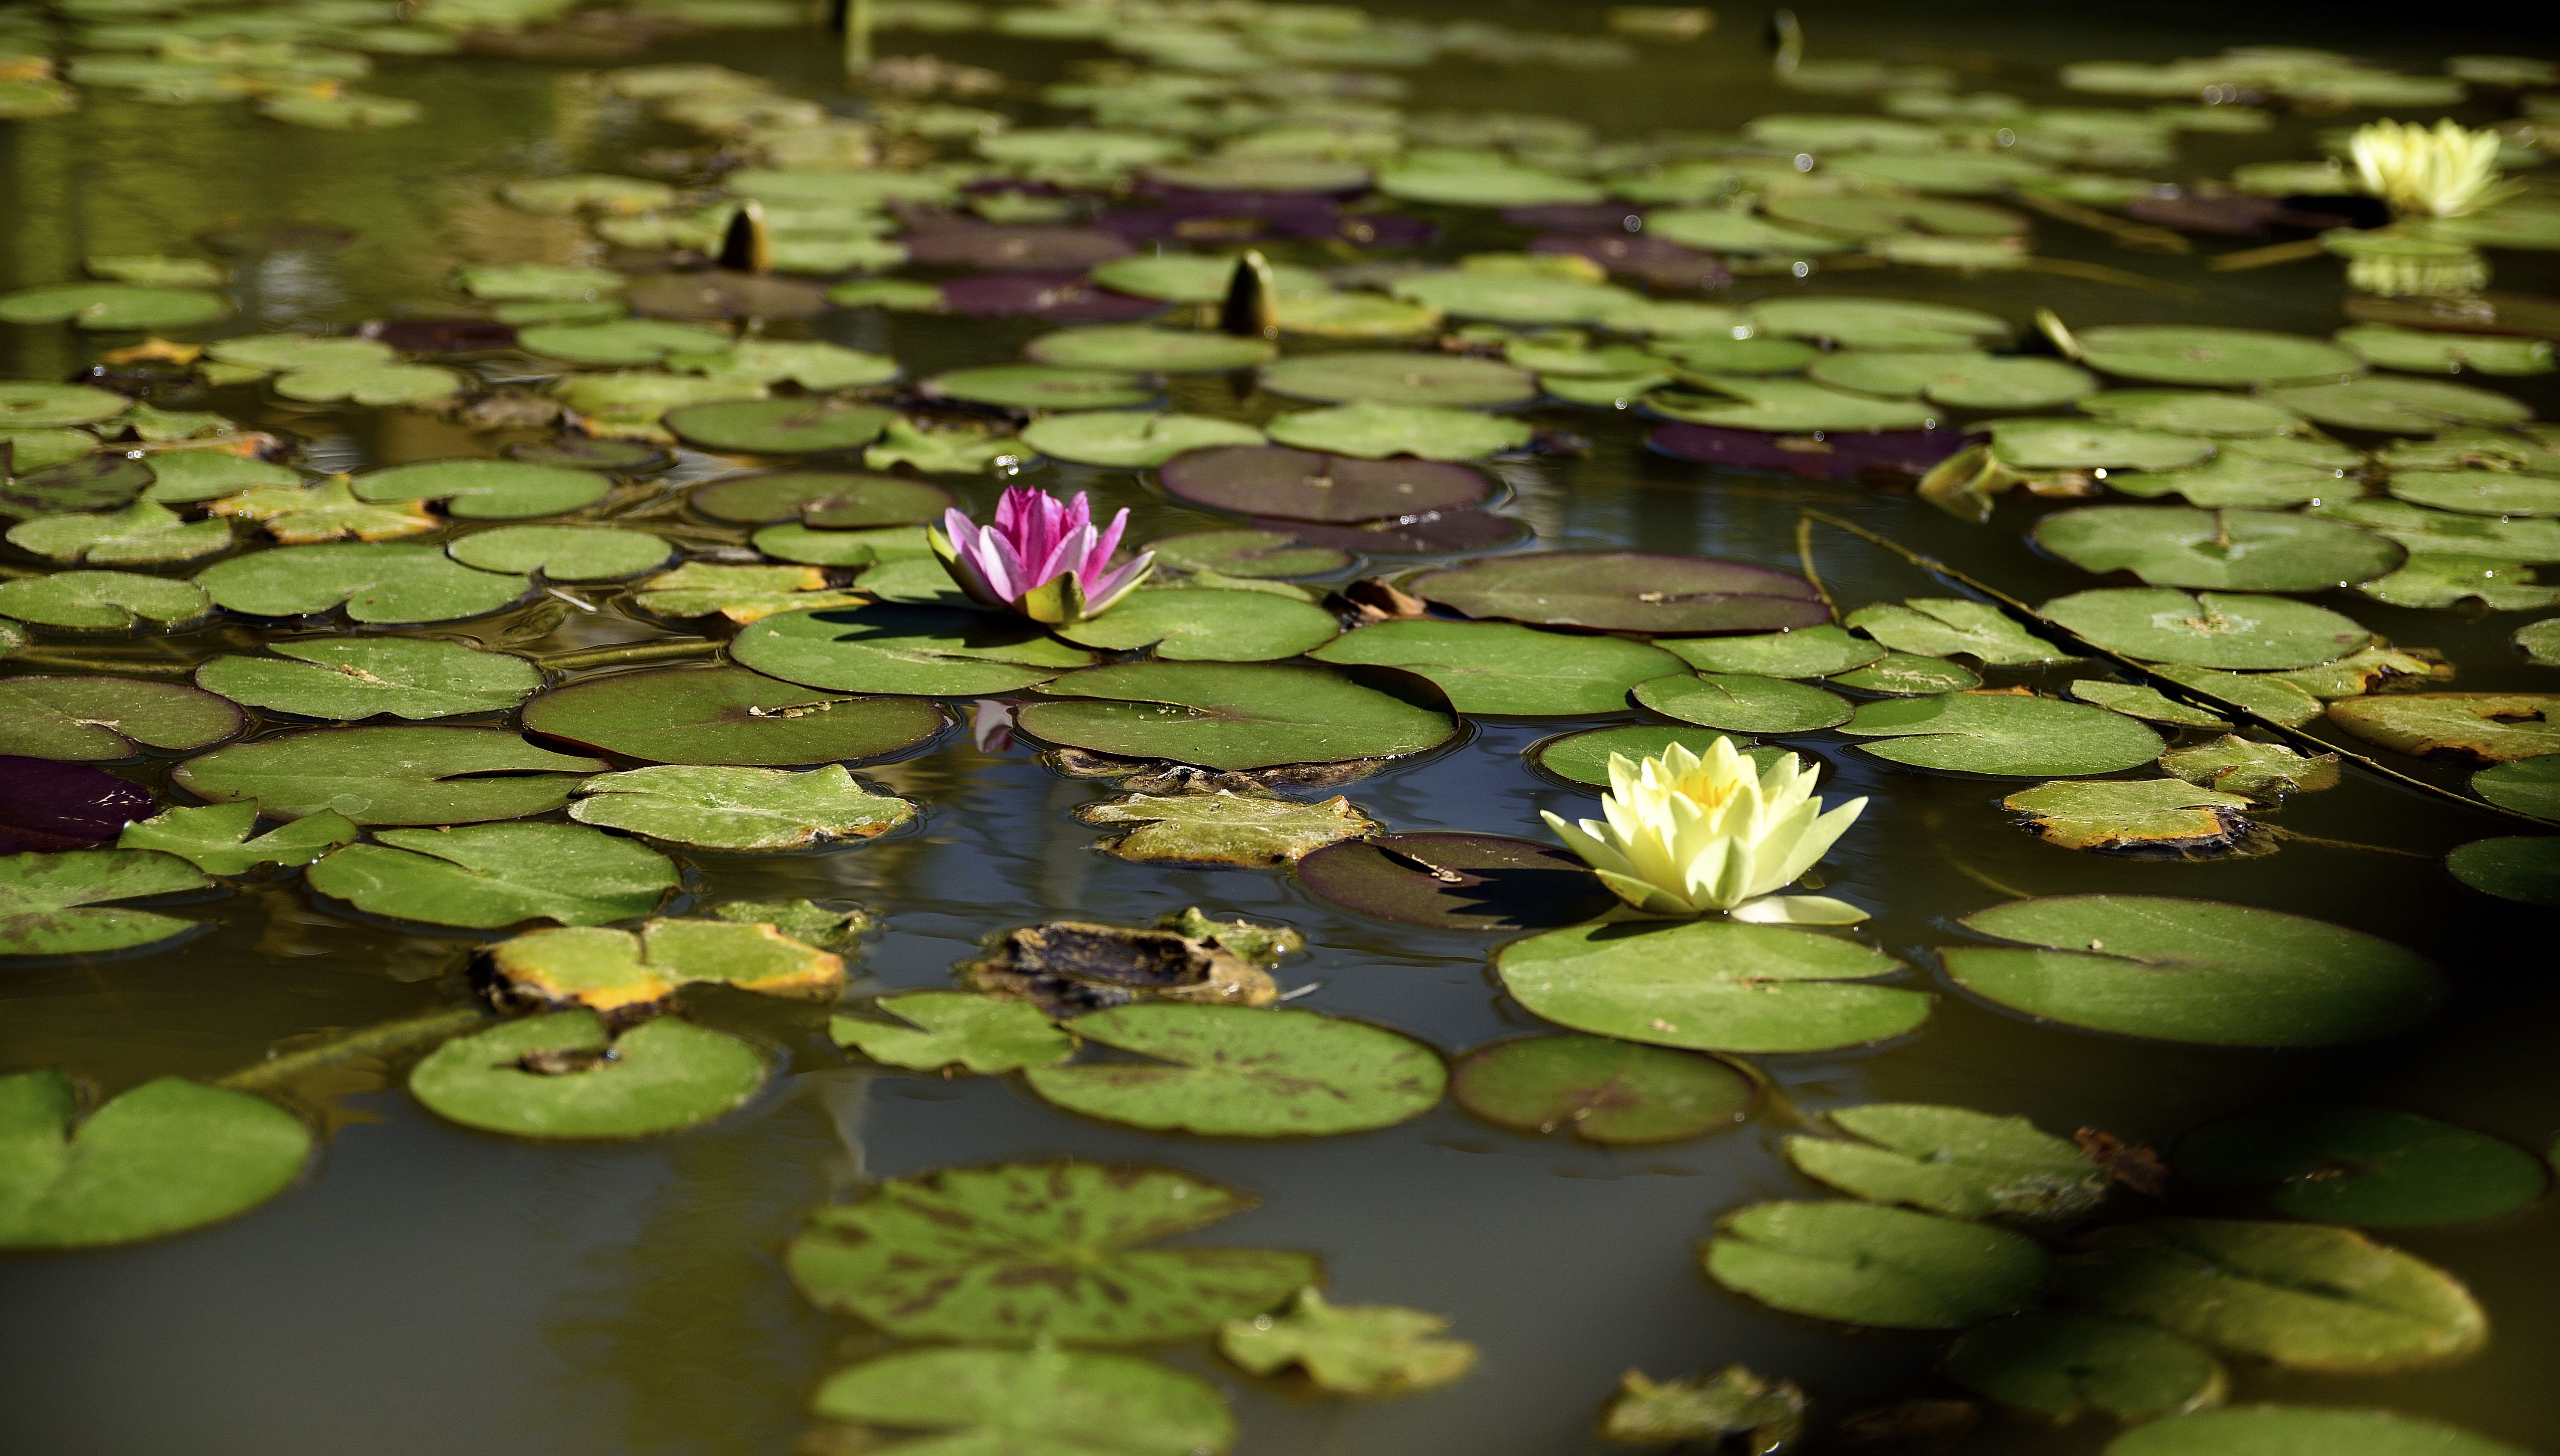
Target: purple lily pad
{"points": [[46, 805], [720, 293], [440, 335], [1458, 881], [1301, 485], [1832, 457], [1014, 249], [1663, 263], [1433, 533], [1626, 591], [1065, 298], [2236, 214], [1573, 217]]}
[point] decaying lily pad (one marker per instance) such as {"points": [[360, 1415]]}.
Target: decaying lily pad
{"points": [[1713, 985], [565, 1076], [1601, 1089], [1464, 882], [1769, 1414], [987, 1035], [728, 807], [2151, 816], [1225, 827], [1069, 967], [2481, 728], [1350, 1350], [618, 971], [2266, 772], [1952, 1160], [1868, 1265], [167, 1156]]}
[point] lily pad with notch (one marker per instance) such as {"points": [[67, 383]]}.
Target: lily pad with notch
{"points": [[1811, 652], [184, 476], [622, 974], [1713, 985], [1953, 1161], [64, 904], [565, 1075], [562, 552], [96, 718], [892, 649], [2278, 471], [1583, 758], [1602, 1090], [831, 500], [2135, 701], [2369, 1167], [387, 583], [806, 425], [2040, 443], [2478, 728], [2192, 970], [1367, 1350], [742, 594], [2261, 771], [1242, 715], [2208, 628], [1448, 380], [1008, 1399], [1458, 881], [215, 837], [2004, 734], [1908, 674], [484, 876], [101, 601], [1303, 485], [1132, 439], [486, 490], [1502, 667], [348, 678], [1224, 828], [1246, 1072], [2056, 1365], [728, 715], [873, 546], [29, 404], [733, 809], [987, 1035], [1017, 1251], [164, 1157], [1190, 625], [2178, 354], [390, 776], [2433, 352], [2212, 413], [1626, 591], [1943, 627], [2227, 550], [144, 533], [1743, 702], [1862, 1263]]}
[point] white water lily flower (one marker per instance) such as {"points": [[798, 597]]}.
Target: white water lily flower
{"points": [[2447, 171], [1689, 835]]}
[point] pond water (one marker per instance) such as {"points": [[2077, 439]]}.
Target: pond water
{"points": [[427, 1287]]}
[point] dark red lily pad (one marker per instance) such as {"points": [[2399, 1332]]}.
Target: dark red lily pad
{"points": [[1626, 591], [717, 292], [46, 805], [1458, 881], [440, 335], [1015, 250], [1301, 485], [1661, 263], [2231, 214], [1834, 457], [822, 498], [1434, 533], [1064, 298]]}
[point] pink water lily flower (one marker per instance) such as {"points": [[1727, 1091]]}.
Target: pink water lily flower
{"points": [[1042, 557]]}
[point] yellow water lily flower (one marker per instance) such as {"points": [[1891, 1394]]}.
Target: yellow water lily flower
{"points": [[2444, 171], [1687, 834]]}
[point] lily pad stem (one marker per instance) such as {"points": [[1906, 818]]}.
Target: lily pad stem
{"points": [[647, 652], [2054, 631], [388, 1036], [2284, 833], [1805, 561], [2261, 257], [2140, 235]]}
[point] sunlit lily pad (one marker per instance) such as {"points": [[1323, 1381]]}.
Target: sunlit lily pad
{"points": [[2207, 412], [489, 875], [1301, 485], [1498, 668], [900, 544], [27, 404], [542, 281], [1792, 406], [167, 1156], [1940, 627], [2304, 1295], [1491, 185], [2192, 970], [1626, 591], [92, 718], [1133, 439], [1196, 625], [103, 601], [112, 306], [1372, 431], [805, 425], [2472, 492], [739, 808], [2260, 771], [2427, 351], [62, 904], [1004, 1252], [1601, 1089], [2057, 1365], [1223, 827], [1743, 702], [217, 838], [1190, 278], [2233, 550], [921, 650], [2070, 444], [1042, 386], [348, 678], [182, 477], [2209, 628], [552, 1076], [1713, 985], [2283, 1430], [2269, 472], [2401, 406], [620, 341], [2365, 1166], [1513, 298], [2529, 785], [826, 499], [562, 552], [141, 535], [390, 776], [2478, 728], [1353, 1350], [385, 583], [1245, 716], [1878, 322], [1867, 1264], [2178, 354], [2521, 867], [1908, 674], [1966, 380], [486, 490], [618, 971], [1240, 1072], [1147, 349], [2428, 532], [1353, 316], [1730, 231], [2135, 701], [1399, 378], [326, 510], [1812, 651], [2004, 734], [724, 715], [2154, 816], [988, 1035], [1953, 1161], [1008, 1400], [1584, 757], [1251, 554]]}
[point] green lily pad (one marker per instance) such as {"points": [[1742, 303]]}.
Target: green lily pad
{"points": [[1878, 322], [2136, 817], [2429, 352], [1370, 431], [2365, 1166], [1730, 231], [542, 281], [1498, 668], [2056, 1365], [1965, 380], [742, 594], [1020, 1250], [1959, 173], [375, 385], [2205, 413], [1451, 381], [1190, 278], [899, 544], [1237, 715], [943, 449], [1148, 349], [1732, 1401], [2304, 1295], [1242, 1071], [831, 500], [489, 875], [2178, 354], [1940, 626], [2134, 700], [562, 552], [215, 837], [620, 973], [112, 306], [1886, 214], [1712, 986], [1743, 702], [183, 477], [1037, 1399], [1132, 439], [95, 719], [1604, 1091], [2478, 728], [1811, 652], [2261, 771], [167, 1156], [1350, 1350], [2428, 532], [2209, 628], [988, 1035], [2470, 492], [2191, 970], [2273, 696], [727, 716], [1250, 554], [390, 776], [2233, 550], [2521, 867], [1867, 1264], [812, 364], [377, 582], [326, 512], [806, 425], [1626, 591], [2401, 406], [1196, 625], [2502, 584], [141, 535], [1458, 881], [1492, 185], [1226, 828], [1350, 315], [103, 601], [921, 650], [1300, 485], [564, 1076], [1790, 406], [1584, 757], [349, 679], [486, 490], [621, 342], [1711, 356], [2070, 444], [2275, 472], [1513, 298], [1042, 386], [58, 904], [739, 808], [2283, 1430], [2539, 641], [101, 482], [1907, 674], [1953, 1161], [2004, 734], [2529, 785], [27, 404]]}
